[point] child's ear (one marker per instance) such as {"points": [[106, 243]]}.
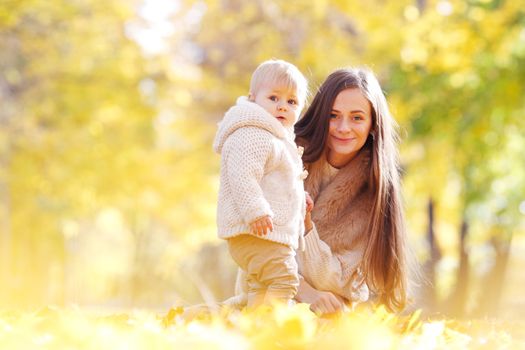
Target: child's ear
{"points": [[251, 97]]}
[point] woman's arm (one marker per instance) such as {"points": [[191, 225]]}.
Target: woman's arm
{"points": [[328, 271]]}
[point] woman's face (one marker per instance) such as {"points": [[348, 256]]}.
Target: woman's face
{"points": [[350, 124]]}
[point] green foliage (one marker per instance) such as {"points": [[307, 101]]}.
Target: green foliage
{"points": [[78, 136], [464, 98], [93, 123]]}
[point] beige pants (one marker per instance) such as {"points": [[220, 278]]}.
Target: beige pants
{"points": [[271, 269]]}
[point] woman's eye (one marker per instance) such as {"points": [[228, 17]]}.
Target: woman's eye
{"points": [[358, 117], [333, 115]]}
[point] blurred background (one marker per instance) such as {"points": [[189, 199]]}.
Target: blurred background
{"points": [[108, 182]]}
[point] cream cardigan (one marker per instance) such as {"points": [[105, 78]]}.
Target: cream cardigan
{"points": [[332, 255], [261, 174]]}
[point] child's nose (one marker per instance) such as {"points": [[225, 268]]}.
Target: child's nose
{"points": [[281, 106]]}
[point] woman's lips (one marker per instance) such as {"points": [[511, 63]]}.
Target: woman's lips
{"points": [[343, 139]]}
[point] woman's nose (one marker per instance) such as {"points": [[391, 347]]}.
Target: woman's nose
{"points": [[344, 126]]}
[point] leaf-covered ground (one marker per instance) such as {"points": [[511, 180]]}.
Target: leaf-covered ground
{"points": [[277, 328]]}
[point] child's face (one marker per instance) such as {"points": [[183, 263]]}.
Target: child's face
{"points": [[280, 101]]}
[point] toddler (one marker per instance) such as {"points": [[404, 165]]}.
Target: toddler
{"points": [[261, 204]]}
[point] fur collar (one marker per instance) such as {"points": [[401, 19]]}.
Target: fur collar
{"points": [[342, 209]]}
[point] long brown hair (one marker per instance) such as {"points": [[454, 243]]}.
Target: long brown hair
{"points": [[384, 260]]}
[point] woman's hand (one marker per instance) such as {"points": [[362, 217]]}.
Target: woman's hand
{"points": [[308, 222], [326, 303], [309, 202], [321, 302]]}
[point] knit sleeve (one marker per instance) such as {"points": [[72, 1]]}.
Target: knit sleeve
{"points": [[328, 271], [247, 151]]}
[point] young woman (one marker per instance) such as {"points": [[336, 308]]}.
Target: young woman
{"points": [[355, 236]]}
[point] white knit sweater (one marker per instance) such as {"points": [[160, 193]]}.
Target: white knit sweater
{"points": [[326, 270], [261, 174]]}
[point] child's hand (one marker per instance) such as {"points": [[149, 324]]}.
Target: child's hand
{"points": [[309, 202], [308, 225], [261, 226]]}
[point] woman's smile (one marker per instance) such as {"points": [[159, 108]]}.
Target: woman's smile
{"points": [[343, 139]]}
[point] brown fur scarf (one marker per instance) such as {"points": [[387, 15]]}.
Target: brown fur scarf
{"points": [[342, 210]]}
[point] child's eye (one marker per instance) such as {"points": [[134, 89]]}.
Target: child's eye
{"points": [[273, 98], [292, 101]]}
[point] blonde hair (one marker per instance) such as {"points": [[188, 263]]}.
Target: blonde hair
{"points": [[280, 72]]}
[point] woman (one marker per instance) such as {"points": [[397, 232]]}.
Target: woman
{"points": [[355, 237]]}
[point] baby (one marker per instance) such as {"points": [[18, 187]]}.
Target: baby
{"points": [[261, 204]]}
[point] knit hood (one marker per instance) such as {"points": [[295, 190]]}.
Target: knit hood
{"points": [[248, 114]]}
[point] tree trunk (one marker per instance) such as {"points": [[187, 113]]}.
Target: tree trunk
{"points": [[458, 298], [421, 5], [5, 193], [429, 267], [492, 283]]}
